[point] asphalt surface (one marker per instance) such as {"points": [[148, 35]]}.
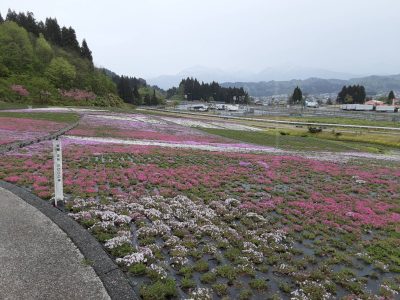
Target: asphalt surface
{"points": [[38, 260]]}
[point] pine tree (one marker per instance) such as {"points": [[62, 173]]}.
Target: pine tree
{"points": [[68, 39], [147, 100], [85, 51], [1, 19], [391, 96], [11, 16], [297, 96], [31, 24], [154, 100], [52, 31], [137, 100], [352, 94]]}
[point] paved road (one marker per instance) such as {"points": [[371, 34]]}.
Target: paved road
{"points": [[38, 260]]}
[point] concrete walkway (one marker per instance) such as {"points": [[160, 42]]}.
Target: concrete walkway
{"points": [[38, 260]]}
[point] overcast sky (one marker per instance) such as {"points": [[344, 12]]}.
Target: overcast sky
{"points": [[153, 37]]}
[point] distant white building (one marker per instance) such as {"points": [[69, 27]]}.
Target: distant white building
{"points": [[230, 107], [312, 104]]}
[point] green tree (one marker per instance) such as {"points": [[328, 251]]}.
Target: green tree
{"points": [[348, 99], [297, 96], [44, 51], [52, 31], [68, 39], [16, 51], [147, 99], [101, 84], [390, 97], [1, 19], [85, 51], [137, 99], [61, 73], [154, 99], [4, 71], [28, 22], [354, 93], [11, 16]]}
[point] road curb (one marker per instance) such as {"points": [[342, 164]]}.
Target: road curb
{"points": [[113, 279]]}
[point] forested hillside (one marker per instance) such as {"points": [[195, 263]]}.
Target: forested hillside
{"points": [[192, 89], [373, 85], [44, 63], [135, 90]]}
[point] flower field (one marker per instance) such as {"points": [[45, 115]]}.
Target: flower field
{"points": [[19, 129], [194, 224]]}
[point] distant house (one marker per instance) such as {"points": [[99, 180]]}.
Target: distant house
{"points": [[374, 102]]}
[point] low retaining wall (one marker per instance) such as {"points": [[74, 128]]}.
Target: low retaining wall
{"points": [[113, 279]]}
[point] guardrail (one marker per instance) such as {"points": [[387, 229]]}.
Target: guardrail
{"points": [[20, 144]]}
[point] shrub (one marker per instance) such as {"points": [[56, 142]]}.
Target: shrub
{"points": [[188, 283], [122, 250], [159, 290], [208, 277], [245, 294], [314, 129], [258, 284], [201, 266], [227, 272], [186, 271], [137, 269], [285, 287], [220, 289], [232, 253], [20, 90]]}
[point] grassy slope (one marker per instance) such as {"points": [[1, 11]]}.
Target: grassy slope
{"points": [[48, 116]]}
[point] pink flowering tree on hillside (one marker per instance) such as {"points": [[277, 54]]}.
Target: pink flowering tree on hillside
{"points": [[77, 94], [20, 90]]}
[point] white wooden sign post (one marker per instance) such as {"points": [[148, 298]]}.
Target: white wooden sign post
{"points": [[58, 180]]}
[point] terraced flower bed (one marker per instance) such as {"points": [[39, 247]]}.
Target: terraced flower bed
{"points": [[184, 222], [26, 126], [193, 224], [140, 127]]}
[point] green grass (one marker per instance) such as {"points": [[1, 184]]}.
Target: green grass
{"points": [[306, 119], [48, 116], [8, 105], [296, 140], [341, 120]]}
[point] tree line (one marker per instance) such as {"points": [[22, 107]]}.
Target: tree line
{"points": [[352, 94], [64, 37], [136, 91], [41, 62], [36, 70], [192, 89]]}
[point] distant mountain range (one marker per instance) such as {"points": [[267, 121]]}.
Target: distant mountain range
{"points": [[272, 73], [373, 85], [279, 80]]}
